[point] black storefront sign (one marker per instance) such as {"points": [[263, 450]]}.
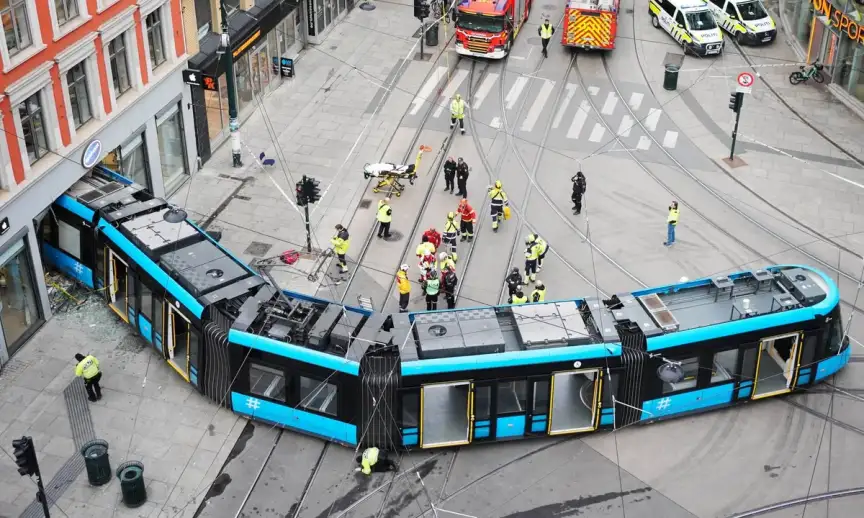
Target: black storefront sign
{"points": [[310, 15], [287, 67]]}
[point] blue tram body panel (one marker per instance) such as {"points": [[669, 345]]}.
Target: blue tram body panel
{"points": [[566, 366]]}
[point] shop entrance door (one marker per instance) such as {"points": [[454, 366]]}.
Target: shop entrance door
{"points": [[823, 46]]}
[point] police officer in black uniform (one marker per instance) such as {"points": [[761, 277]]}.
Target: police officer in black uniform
{"points": [[462, 178], [579, 187], [449, 174]]}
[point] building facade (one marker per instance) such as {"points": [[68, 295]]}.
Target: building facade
{"points": [[83, 82], [262, 33], [832, 32]]}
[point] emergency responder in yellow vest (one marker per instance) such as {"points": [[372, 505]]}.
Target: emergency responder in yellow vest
{"points": [[539, 293], [457, 112], [545, 32], [543, 247], [88, 368], [671, 223], [518, 298], [499, 199], [446, 261], [532, 252], [425, 248], [432, 285], [375, 460], [404, 288], [340, 244], [385, 216], [448, 237]]}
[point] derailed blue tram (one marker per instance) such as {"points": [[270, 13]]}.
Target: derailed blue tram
{"points": [[443, 378]]}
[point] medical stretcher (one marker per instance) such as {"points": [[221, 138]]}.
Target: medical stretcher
{"points": [[390, 174]]}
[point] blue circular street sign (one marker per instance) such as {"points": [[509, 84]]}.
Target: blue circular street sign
{"points": [[92, 154]]}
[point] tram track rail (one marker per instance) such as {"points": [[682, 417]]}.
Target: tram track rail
{"points": [[788, 504]]}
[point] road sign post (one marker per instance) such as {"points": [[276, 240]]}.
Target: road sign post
{"points": [[736, 102]]}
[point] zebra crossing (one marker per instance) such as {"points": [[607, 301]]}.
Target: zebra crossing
{"points": [[573, 118]]}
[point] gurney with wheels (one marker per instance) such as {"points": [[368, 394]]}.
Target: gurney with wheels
{"points": [[389, 174]]}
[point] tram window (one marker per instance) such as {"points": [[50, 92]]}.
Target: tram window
{"points": [[69, 239], [266, 382], [146, 302], [512, 396], [724, 365], [100, 263], [157, 314], [808, 352], [610, 387], [836, 335], [410, 409], [318, 395], [541, 397], [194, 339], [690, 366], [482, 402], [131, 285]]}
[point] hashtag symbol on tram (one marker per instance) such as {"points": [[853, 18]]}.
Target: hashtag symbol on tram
{"points": [[253, 403], [664, 403]]}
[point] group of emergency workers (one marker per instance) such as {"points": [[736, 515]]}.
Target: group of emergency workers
{"points": [[535, 251]]}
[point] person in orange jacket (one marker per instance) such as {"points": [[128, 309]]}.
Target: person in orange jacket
{"points": [[434, 237], [467, 216]]}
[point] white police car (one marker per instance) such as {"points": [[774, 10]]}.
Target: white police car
{"points": [[691, 22], [746, 20]]}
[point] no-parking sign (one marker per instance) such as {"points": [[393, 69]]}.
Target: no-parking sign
{"points": [[745, 82]]}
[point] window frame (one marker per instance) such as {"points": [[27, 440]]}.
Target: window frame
{"points": [[65, 26], [66, 5], [520, 384], [319, 385], [732, 372], [114, 65], [14, 4], [21, 121], [84, 81], [675, 388], [149, 38], [265, 367]]}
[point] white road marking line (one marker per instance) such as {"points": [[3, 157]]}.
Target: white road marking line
{"points": [[610, 104], [597, 133], [644, 143], [635, 101], [448, 92], [425, 93], [625, 126], [593, 90], [515, 92], [484, 89], [670, 139], [652, 119], [537, 107], [571, 91], [578, 120]]}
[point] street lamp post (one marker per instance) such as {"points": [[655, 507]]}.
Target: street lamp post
{"points": [[228, 64]]}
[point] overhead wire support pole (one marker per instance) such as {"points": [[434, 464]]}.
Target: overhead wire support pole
{"points": [[228, 64]]}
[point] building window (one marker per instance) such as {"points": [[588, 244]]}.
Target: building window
{"points": [[130, 160], [66, 10], [266, 382], [79, 99], [18, 310], [172, 147], [33, 127], [16, 25], [119, 65], [155, 39]]}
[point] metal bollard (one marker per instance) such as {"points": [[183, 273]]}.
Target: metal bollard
{"points": [[96, 461], [670, 78], [131, 475]]}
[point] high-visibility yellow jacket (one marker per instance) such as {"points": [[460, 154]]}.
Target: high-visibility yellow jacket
{"points": [[498, 196], [673, 217], [457, 109], [542, 245], [447, 263], [88, 367], [532, 252], [385, 213], [340, 242], [370, 458], [538, 295], [518, 300], [403, 282], [425, 249], [546, 31]]}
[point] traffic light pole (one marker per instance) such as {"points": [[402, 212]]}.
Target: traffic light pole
{"points": [[41, 496], [422, 36], [308, 229], [735, 130], [228, 64]]}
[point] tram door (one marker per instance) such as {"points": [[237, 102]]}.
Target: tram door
{"points": [[776, 365], [576, 398], [177, 335], [446, 414], [116, 275]]}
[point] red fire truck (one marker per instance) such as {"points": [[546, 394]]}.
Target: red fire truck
{"points": [[486, 28], [590, 24]]}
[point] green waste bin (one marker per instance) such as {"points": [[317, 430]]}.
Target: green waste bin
{"points": [[131, 475], [432, 35], [670, 78], [96, 461]]}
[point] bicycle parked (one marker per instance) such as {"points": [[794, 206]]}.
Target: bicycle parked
{"points": [[813, 71]]}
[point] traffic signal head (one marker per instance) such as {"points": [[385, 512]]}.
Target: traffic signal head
{"points": [[425, 11], [301, 193], [421, 10], [25, 456], [311, 190], [735, 101]]}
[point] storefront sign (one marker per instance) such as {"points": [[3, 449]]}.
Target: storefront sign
{"points": [[4, 226], [854, 30], [192, 77], [209, 83], [92, 154], [310, 16], [287, 67], [245, 45]]}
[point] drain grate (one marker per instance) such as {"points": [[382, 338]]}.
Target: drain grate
{"points": [[365, 204], [258, 249], [395, 235]]}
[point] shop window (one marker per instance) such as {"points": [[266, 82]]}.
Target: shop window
{"points": [[16, 25], [217, 113], [33, 127], [119, 66], [69, 239], [319, 396], [724, 366], [690, 368], [155, 38], [266, 382], [243, 78], [18, 309], [410, 409], [146, 302], [79, 98], [512, 396], [172, 146], [66, 10]]}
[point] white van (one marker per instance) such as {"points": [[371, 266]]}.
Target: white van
{"points": [[746, 20], [690, 22]]}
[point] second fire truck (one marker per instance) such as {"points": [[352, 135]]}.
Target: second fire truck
{"points": [[486, 28], [590, 24]]}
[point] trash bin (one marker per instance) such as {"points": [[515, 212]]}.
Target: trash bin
{"points": [[432, 35], [670, 78], [96, 461], [131, 475]]}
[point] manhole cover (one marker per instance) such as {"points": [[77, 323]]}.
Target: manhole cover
{"points": [[628, 11], [395, 235], [258, 249], [533, 41], [364, 204], [367, 6], [437, 330], [550, 7]]}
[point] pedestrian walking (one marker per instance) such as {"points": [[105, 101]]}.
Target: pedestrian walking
{"points": [[514, 281], [385, 216], [532, 252], [543, 247], [671, 223], [340, 243], [539, 293], [451, 232], [448, 276], [518, 298], [545, 32], [467, 217], [462, 172], [499, 200], [449, 174], [374, 460], [457, 112], [431, 287], [579, 187], [404, 288], [434, 237], [88, 368]]}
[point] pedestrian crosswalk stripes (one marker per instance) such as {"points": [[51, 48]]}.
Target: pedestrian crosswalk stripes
{"points": [[537, 108], [670, 139], [565, 102], [579, 120], [450, 90], [426, 92], [609, 105], [635, 101], [483, 91], [597, 133], [626, 125], [652, 119], [515, 92]]}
